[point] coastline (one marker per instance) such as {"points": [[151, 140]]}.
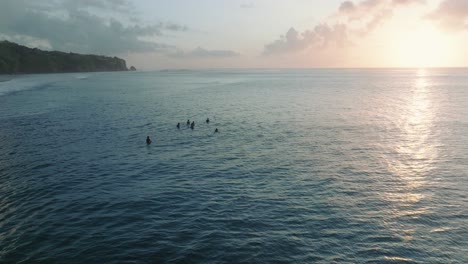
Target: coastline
{"points": [[18, 59]]}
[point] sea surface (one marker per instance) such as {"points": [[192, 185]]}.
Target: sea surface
{"points": [[309, 166]]}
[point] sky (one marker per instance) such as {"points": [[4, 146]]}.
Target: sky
{"points": [[185, 34]]}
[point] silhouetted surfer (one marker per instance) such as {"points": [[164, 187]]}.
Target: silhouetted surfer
{"points": [[207, 120], [216, 130], [178, 125], [192, 126], [148, 140], [188, 122]]}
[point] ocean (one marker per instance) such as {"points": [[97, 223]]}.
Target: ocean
{"points": [[309, 166]]}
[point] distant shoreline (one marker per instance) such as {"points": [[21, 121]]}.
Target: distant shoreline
{"points": [[18, 59]]}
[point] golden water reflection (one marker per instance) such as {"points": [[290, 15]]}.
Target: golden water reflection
{"points": [[413, 153]]}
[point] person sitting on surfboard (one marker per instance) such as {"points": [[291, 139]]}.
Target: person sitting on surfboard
{"points": [[216, 130], [188, 122], [207, 120], [192, 126], [148, 140], [178, 125]]}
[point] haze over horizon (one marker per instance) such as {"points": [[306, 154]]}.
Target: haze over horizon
{"points": [[247, 34]]}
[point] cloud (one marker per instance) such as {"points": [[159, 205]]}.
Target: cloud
{"points": [[351, 20], [114, 5], [86, 26], [292, 41], [321, 36], [371, 13], [407, 2], [451, 15], [204, 53], [247, 5], [346, 7]]}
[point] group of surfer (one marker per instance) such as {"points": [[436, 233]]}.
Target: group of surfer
{"points": [[188, 124]]}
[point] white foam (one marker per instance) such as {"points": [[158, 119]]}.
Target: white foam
{"points": [[82, 77], [18, 83]]}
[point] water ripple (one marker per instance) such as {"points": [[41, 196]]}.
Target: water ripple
{"points": [[310, 166]]}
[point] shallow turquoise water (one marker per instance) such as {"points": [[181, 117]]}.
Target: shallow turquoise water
{"points": [[310, 166]]}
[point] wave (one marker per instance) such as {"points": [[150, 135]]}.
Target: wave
{"points": [[82, 77], [18, 83], [5, 78]]}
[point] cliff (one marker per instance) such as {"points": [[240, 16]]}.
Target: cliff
{"points": [[16, 59]]}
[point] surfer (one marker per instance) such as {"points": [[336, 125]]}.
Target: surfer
{"points": [[207, 120], [192, 126], [188, 122], [216, 130], [178, 125], [148, 140]]}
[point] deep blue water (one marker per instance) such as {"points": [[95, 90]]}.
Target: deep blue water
{"points": [[310, 166]]}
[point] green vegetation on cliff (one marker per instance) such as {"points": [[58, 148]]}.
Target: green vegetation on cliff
{"points": [[15, 59]]}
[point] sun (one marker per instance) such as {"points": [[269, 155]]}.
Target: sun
{"points": [[426, 47]]}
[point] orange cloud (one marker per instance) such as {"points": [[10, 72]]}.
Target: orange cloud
{"points": [[451, 15], [350, 20]]}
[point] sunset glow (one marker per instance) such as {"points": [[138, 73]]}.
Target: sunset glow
{"points": [[233, 131], [248, 34], [426, 47]]}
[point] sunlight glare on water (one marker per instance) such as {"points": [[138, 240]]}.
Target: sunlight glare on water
{"points": [[309, 166]]}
